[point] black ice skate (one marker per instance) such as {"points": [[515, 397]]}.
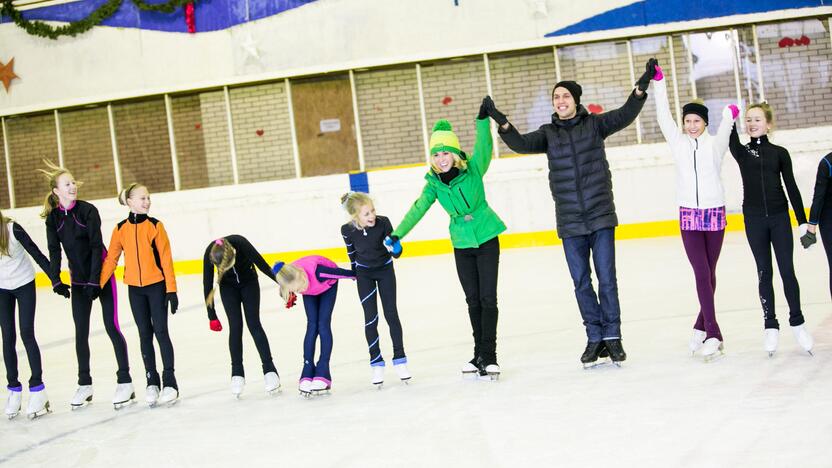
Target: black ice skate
{"points": [[594, 350], [616, 351]]}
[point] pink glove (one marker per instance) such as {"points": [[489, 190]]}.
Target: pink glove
{"points": [[735, 111], [215, 325], [659, 75]]}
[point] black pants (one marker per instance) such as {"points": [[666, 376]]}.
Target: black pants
{"points": [[477, 271], [381, 283], [25, 297], [825, 225], [763, 233], [81, 312], [235, 300], [151, 316]]}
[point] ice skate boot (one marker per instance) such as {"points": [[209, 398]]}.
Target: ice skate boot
{"points": [[402, 371], [271, 383], [169, 396], [804, 339], [471, 369], [593, 351], [305, 387], [712, 349], [378, 376], [151, 395], [125, 396], [13, 402], [237, 385], [83, 397], [38, 403], [770, 340], [321, 386], [696, 341], [616, 350], [490, 372]]}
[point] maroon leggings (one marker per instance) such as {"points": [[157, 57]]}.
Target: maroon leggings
{"points": [[703, 249]]}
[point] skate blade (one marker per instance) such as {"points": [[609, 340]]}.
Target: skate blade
{"points": [[169, 403], [274, 391], [39, 414], [378, 385], [406, 381], [492, 377], [124, 404], [771, 354], [470, 375], [598, 363], [12, 416], [237, 396], [714, 357]]}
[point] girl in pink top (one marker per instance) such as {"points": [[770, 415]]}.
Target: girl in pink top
{"points": [[316, 278]]}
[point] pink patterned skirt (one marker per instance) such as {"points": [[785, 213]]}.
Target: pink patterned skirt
{"points": [[702, 219]]}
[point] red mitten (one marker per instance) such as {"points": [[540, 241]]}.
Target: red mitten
{"points": [[292, 299], [215, 325]]}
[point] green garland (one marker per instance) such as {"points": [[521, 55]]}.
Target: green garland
{"points": [[41, 29]]}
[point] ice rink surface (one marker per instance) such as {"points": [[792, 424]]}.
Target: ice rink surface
{"points": [[663, 408]]}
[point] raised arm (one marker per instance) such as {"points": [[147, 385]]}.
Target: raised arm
{"points": [[667, 124], [416, 211], [723, 134], [738, 150], [618, 119], [821, 184], [483, 147], [791, 187]]}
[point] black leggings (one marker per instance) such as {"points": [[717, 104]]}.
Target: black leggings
{"points": [[25, 297], [246, 295], [477, 271], [825, 225], [151, 316], [381, 283], [763, 233], [81, 312]]}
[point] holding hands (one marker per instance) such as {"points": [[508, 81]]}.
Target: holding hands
{"points": [[807, 235], [488, 109], [61, 289], [650, 69], [392, 244]]}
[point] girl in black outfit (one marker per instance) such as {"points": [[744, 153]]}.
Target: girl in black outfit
{"points": [[767, 222], [372, 263], [76, 225], [235, 259], [821, 212]]}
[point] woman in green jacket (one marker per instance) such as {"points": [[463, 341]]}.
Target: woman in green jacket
{"points": [[456, 181]]}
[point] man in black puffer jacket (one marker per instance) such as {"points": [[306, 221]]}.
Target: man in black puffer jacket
{"points": [[581, 185]]}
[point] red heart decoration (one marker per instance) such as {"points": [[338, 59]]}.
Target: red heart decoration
{"points": [[804, 40], [198, 126], [259, 132], [786, 42], [595, 108], [447, 100]]}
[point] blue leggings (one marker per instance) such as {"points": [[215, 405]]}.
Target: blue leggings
{"points": [[318, 323]]}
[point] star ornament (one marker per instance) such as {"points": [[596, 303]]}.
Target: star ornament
{"points": [[7, 74]]}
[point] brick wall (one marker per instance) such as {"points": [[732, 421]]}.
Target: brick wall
{"points": [[643, 50], [388, 108], [262, 132], [603, 71], [5, 202], [215, 137], [522, 86], [143, 144], [31, 139], [680, 52], [190, 144], [88, 152], [454, 90], [797, 78]]}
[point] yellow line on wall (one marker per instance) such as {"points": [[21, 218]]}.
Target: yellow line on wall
{"points": [[443, 246]]}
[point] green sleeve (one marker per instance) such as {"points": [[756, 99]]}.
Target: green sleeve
{"points": [[417, 211], [483, 147]]}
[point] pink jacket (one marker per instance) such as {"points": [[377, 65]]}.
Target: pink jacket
{"points": [[310, 265]]}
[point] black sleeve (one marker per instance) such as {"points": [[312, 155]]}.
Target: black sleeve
{"points": [[618, 119], [96, 246], [791, 186], [244, 246], [738, 150], [326, 273], [821, 183], [208, 280], [54, 245], [33, 251], [530, 143], [349, 244]]}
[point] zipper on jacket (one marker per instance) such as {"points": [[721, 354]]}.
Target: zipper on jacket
{"points": [[695, 172], [577, 177], [138, 258], [463, 197]]}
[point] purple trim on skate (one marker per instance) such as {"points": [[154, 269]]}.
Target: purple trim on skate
{"points": [[401, 360], [305, 379], [377, 364], [19, 388], [37, 388], [326, 381], [702, 219]]}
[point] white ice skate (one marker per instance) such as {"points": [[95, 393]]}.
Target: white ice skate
{"points": [[804, 339], [237, 384], [696, 341], [83, 397], [491, 373], [151, 395], [125, 396], [712, 349], [13, 403], [271, 382], [402, 372], [378, 376], [305, 388], [772, 336], [169, 396], [38, 404], [321, 386], [470, 371]]}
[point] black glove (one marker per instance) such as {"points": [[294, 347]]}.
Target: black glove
{"points": [[649, 72], [92, 291], [808, 239], [173, 300], [61, 289], [488, 109]]}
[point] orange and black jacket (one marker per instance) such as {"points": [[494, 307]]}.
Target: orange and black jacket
{"points": [[147, 257]]}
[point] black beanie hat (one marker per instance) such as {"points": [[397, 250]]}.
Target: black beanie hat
{"points": [[573, 87], [695, 108]]}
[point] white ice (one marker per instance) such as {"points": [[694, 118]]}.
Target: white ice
{"points": [[663, 408]]}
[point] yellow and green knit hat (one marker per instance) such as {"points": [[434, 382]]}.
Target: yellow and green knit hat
{"points": [[443, 138]]}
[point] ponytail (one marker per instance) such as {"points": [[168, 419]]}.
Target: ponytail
{"points": [[222, 255], [4, 235], [126, 192]]}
